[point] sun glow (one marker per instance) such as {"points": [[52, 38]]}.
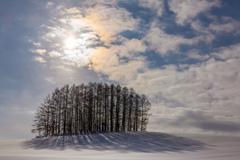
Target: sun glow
{"points": [[70, 42]]}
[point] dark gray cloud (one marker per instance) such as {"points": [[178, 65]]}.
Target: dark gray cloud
{"points": [[199, 120], [208, 123]]}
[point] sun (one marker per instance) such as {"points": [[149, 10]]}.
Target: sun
{"points": [[70, 42]]}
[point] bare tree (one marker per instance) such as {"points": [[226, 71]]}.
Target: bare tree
{"points": [[91, 108]]}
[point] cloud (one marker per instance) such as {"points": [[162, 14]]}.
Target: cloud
{"points": [[108, 22], [226, 25], [204, 33], [162, 42], [197, 120], [54, 54], [40, 59], [187, 10], [230, 52], [73, 10], [129, 48], [39, 51], [135, 45], [210, 86], [93, 29], [128, 71], [37, 44], [119, 62], [202, 86], [50, 79], [199, 85], [102, 2], [49, 4], [157, 6], [104, 21], [194, 54], [103, 59], [217, 27]]}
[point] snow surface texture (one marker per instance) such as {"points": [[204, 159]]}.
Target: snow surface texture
{"points": [[123, 145]]}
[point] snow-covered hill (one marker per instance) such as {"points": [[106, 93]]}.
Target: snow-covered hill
{"points": [[123, 145]]}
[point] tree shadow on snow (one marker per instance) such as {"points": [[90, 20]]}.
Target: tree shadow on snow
{"points": [[120, 141]]}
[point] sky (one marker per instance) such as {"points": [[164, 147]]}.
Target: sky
{"points": [[184, 55]]}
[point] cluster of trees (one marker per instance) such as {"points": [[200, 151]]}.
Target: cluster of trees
{"points": [[91, 108]]}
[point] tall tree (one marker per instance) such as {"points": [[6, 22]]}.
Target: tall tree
{"points": [[112, 106], [118, 102], [125, 106], [91, 108], [130, 106]]}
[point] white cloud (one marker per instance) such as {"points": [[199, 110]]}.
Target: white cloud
{"points": [[54, 54], [127, 72], [107, 22], [106, 2], [40, 59], [204, 33], [50, 80], [37, 44], [157, 6], [226, 25], [100, 25], [186, 10], [73, 10], [129, 48], [103, 59], [230, 52], [212, 87], [135, 45], [218, 26], [162, 42], [39, 51], [34, 43], [194, 54], [108, 61], [49, 4]]}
